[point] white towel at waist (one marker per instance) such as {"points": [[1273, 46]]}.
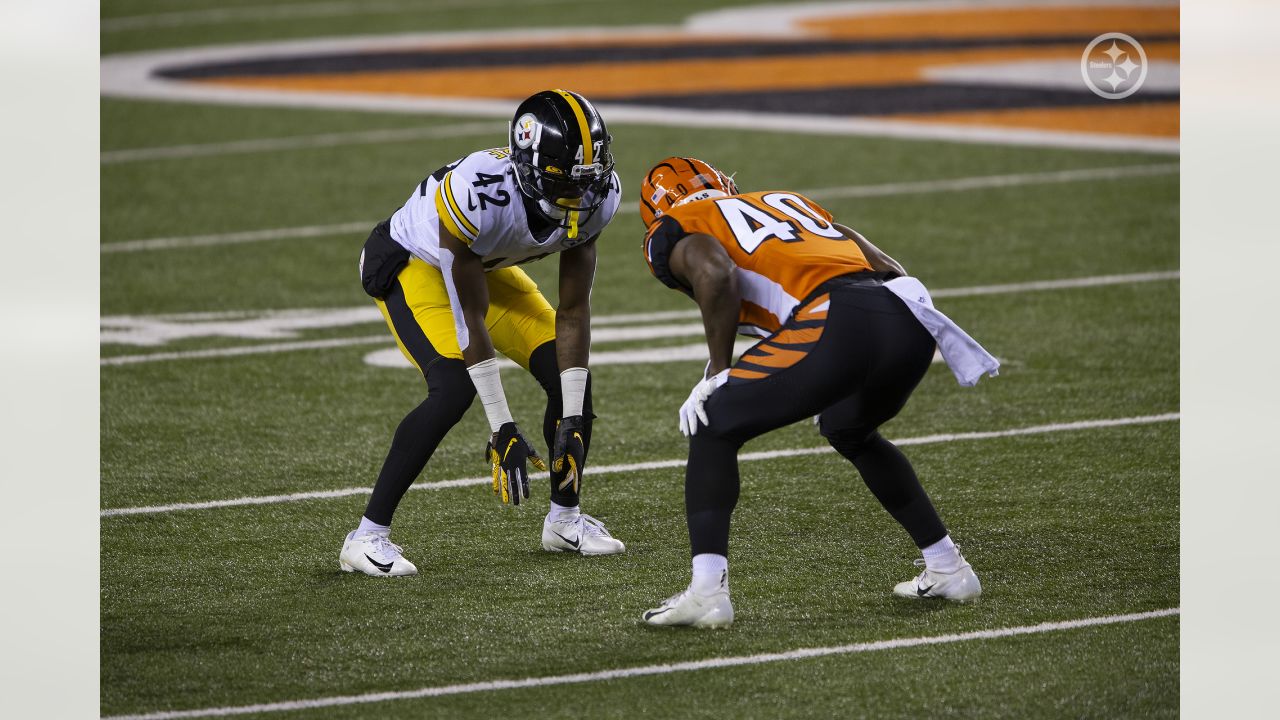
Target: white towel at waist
{"points": [[966, 358]]}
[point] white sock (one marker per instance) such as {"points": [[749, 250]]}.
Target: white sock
{"points": [[367, 525], [560, 513], [710, 573], [942, 556]]}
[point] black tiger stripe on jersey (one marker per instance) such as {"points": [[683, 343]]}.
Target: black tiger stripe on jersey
{"points": [[793, 342]]}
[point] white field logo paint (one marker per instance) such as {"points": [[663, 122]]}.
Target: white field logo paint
{"points": [[1114, 66], [289, 325]]}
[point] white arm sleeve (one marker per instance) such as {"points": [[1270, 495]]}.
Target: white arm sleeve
{"points": [[488, 382], [573, 388]]}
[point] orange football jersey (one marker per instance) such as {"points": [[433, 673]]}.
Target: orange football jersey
{"points": [[783, 243]]}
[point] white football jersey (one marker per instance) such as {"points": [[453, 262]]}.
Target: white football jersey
{"points": [[479, 201]]}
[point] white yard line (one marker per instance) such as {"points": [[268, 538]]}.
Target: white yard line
{"points": [[290, 233], [270, 13], [298, 142], [663, 669], [276, 324], [1037, 285], [985, 182], [393, 358], [650, 465], [246, 350], [962, 184]]}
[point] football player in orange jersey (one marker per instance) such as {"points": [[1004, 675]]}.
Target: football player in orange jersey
{"points": [[845, 337]]}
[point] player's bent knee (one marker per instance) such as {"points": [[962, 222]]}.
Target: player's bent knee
{"points": [[449, 388], [545, 368], [851, 443]]}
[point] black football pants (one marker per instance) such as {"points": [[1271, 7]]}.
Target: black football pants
{"points": [[856, 362]]}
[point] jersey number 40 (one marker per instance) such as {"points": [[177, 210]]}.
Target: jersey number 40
{"points": [[752, 225]]}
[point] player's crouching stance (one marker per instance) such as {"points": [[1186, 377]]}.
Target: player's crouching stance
{"points": [[841, 338], [442, 271]]}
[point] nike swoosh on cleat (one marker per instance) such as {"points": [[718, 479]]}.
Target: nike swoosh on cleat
{"points": [[922, 592], [574, 543], [654, 613], [384, 567]]}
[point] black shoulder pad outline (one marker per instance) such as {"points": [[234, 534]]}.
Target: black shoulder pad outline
{"points": [[658, 244]]}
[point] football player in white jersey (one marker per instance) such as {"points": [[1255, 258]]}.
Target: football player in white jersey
{"points": [[443, 271]]}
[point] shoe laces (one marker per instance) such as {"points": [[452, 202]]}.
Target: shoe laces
{"points": [[924, 570], [385, 547], [690, 592], [592, 526], [675, 599]]}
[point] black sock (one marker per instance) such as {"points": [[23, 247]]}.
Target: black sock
{"points": [[711, 487]]}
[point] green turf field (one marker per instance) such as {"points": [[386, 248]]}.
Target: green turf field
{"points": [[241, 605]]}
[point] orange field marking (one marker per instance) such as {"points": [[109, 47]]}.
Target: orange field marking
{"points": [[675, 77], [612, 80], [1000, 22]]}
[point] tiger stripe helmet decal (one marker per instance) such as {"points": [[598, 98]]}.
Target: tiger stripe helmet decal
{"points": [[678, 180]]}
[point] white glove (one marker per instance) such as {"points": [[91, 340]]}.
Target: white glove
{"points": [[694, 408]]}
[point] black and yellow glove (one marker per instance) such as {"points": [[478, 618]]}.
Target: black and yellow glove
{"points": [[568, 454], [507, 452]]}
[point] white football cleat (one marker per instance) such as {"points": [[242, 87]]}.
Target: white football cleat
{"points": [[960, 586], [583, 534], [373, 553], [690, 608]]}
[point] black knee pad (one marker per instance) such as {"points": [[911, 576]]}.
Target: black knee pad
{"points": [[449, 388]]}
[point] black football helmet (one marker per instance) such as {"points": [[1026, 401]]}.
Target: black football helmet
{"points": [[560, 151]]}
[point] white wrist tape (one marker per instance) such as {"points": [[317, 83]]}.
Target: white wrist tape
{"points": [[488, 382], [573, 388]]}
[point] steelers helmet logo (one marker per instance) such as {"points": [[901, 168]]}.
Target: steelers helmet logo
{"points": [[526, 128]]}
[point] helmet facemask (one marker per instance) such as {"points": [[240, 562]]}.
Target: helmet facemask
{"points": [[582, 189]]}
